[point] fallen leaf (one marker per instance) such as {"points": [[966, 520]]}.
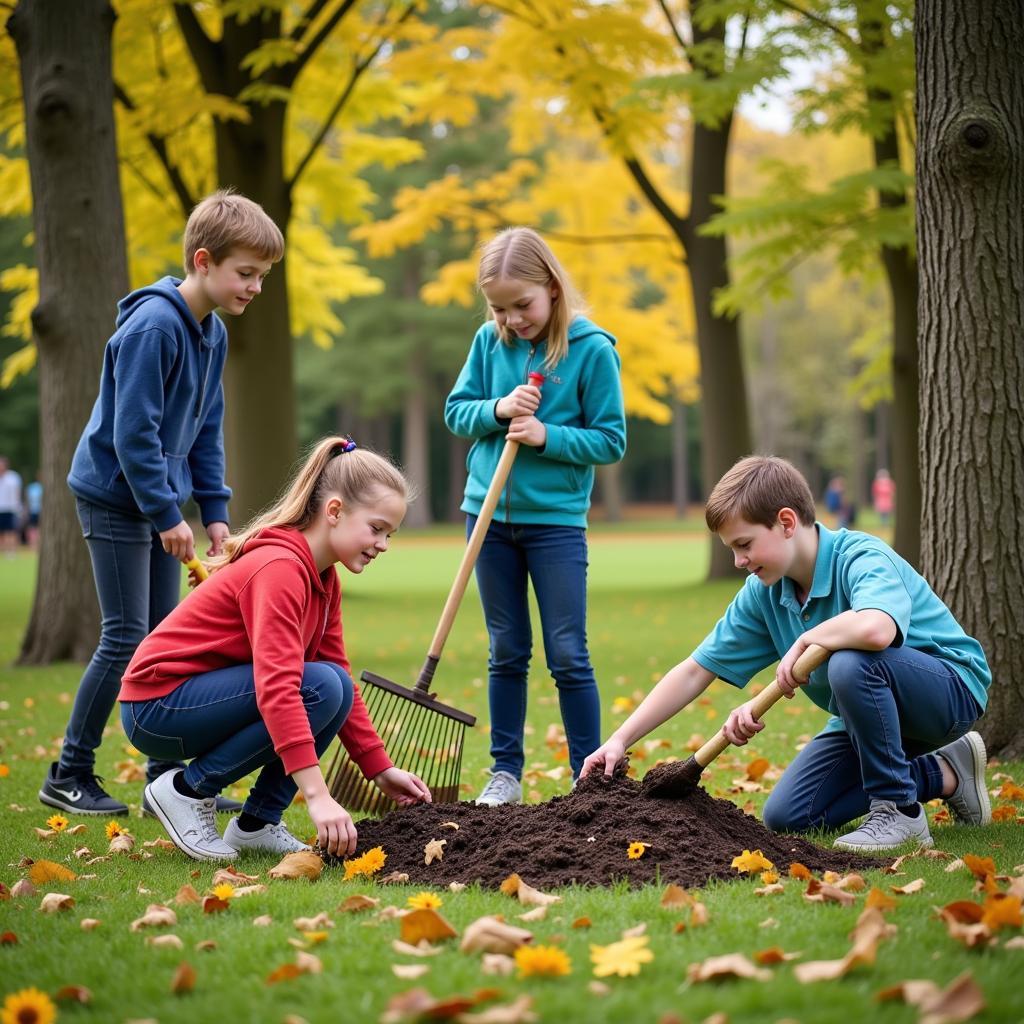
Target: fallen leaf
{"points": [[515, 886], [73, 994], [123, 842], [263, 921], [23, 887], [184, 979], [774, 955], [206, 945], [537, 914], [409, 972], [516, 1012], [43, 871], [426, 924], [731, 965], [582, 922], [156, 916], [757, 768], [434, 850], [798, 870], [881, 900], [249, 890], [979, 866], [598, 988], [751, 861], [215, 905], [770, 890], [911, 887], [357, 904], [449, 824], [185, 895], [422, 948], [159, 844], [852, 883], [54, 901], [1002, 910], [871, 928], [312, 924], [232, 876], [394, 878], [302, 864], [456, 886], [675, 897], [418, 1003], [498, 964], [492, 935], [960, 1000], [819, 892], [284, 973], [88, 924], [167, 941]]}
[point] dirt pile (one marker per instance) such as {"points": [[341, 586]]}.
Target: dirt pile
{"points": [[583, 838]]}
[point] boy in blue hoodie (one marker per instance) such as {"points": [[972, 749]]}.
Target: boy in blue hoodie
{"points": [[539, 527], [155, 439]]}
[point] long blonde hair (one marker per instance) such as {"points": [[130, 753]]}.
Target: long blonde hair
{"points": [[521, 253], [334, 466]]}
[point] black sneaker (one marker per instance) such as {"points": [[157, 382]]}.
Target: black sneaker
{"points": [[78, 794], [225, 805]]}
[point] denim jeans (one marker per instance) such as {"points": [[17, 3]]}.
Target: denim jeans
{"points": [[898, 705], [555, 559], [138, 584], [214, 719]]}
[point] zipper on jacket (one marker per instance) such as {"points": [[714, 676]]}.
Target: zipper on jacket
{"points": [[203, 377], [508, 484]]}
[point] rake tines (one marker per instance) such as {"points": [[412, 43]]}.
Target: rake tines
{"points": [[421, 735]]}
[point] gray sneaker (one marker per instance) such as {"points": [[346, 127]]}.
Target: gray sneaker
{"points": [[269, 839], [190, 823], [885, 828], [503, 788], [969, 802]]}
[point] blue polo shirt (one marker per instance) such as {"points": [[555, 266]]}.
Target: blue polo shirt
{"points": [[853, 571]]}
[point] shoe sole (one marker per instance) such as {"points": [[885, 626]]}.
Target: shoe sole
{"points": [[52, 801], [146, 812], [864, 848], [980, 757], [195, 854]]}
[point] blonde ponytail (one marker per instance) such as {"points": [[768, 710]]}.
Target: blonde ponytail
{"points": [[334, 466]]}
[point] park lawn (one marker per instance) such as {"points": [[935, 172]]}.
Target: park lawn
{"points": [[648, 609]]}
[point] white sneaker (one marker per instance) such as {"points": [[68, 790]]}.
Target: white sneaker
{"points": [[503, 788], [885, 828], [269, 839], [191, 824]]}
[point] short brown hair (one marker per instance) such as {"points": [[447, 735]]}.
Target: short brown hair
{"points": [[755, 489], [225, 221]]}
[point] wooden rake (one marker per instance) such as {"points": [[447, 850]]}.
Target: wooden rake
{"points": [[421, 734]]}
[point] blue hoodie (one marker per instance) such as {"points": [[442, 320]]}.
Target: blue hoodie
{"points": [[155, 434], [581, 407]]}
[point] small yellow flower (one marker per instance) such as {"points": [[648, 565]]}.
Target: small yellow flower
{"points": [[424, 901], [29, 1006], [224, 891], [636, 850], [57, 822], [113, 829], [769, 877], [622, 958], [542, 960], [4, 771], [368, 864]]}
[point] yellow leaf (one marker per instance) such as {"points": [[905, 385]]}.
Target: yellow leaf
{"points": [[751, 861], [43, 871], [622, 958], [303, 864], [425, 924]]}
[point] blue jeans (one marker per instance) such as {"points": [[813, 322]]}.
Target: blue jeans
{"points": [[138, 584], [898, 705], [555, 559], [213, 718]]}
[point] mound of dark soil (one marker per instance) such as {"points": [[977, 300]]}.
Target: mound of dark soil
{"points": [[583, 838]]}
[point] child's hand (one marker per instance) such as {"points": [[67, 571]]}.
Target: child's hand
{"points": [[218, 533], [178, 541], [403, 787], [528, 430], [522, 401], [605, 758], [788, 683], [741, 725], [335, 831]]}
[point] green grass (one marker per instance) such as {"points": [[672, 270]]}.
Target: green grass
{"points": [[648, 609]]}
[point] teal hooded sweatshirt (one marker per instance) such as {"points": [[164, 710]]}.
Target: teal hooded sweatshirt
{"points": [[581, 407]]}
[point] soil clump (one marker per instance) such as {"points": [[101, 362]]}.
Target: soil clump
{"points": [[582, 838]]}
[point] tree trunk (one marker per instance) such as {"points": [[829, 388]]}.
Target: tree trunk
{"points": [[64, 52], [900, 267], [458, 448], [415, 415], [610, 485], [970, 189], [680, 459]]}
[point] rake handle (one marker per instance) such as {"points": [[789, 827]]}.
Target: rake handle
{"points": [[805, 665], [469, 556]]}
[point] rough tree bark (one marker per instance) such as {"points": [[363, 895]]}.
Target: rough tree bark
{"points": [[970, 193], [64, 53]]}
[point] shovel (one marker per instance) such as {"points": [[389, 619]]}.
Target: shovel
{"points": [[674, 781]]}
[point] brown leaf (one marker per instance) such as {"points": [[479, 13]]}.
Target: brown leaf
{"points": [[911, 887], [963, 926], [516, 1012], [881, 900], [43, 871], [774, 955], [313, 924], [394, 878], [88, 924], [770, 890], [248, 890], [8, 939], [284, 973], [215, 905], [409, 972], [582, 922], [357, 904], [123, 842], [54, 901], [184, 979], [537, 914], [426, 924], [156, 916], [757, 768], [232, 876], [497, 964], [852, 883], [731, 965], [1002, 910], [303, 864], [960, 1000], [798, 870], [166, 941], [675, 897], [73, 994], [871, 928], [206, 945], [23, 887], [434, 850], [819, 892], [422, 948], [186, 894], [492, 935], [158, 844], [263, 921], [515, 886]]}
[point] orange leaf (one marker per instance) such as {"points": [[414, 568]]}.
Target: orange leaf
{"points": [[774, 955], [963, 911], [303, 864], [881, 900], [1002, 910], [675, 897], [48, 871], [214, 904], [186, 894], [757, 768], [1010, 791], [582, 922], [797, 870], [980, 866], [184, 979], [73, 994], [1004, 812], [819, 892], [8, 939], [426, 924], [284, 973]]}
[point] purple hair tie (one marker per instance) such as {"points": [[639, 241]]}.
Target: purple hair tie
{"points": [[347, 445]]}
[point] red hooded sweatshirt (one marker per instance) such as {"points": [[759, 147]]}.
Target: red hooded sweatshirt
{"points": [[269, 608]]}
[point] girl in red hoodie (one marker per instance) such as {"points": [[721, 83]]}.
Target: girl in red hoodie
{"points": [[250, 672]]}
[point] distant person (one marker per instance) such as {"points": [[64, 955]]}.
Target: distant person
{"points": [[883, 495], [10, 508], [539, 530], [155, 438], [835, 496], [33, 510], [904, 683]]}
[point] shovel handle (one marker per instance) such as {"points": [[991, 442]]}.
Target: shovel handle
{"points": [[805, 665], [469, 555], [197, 567]]}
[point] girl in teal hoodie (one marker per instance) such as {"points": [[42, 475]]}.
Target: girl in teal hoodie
{"points": [[539, 527]]}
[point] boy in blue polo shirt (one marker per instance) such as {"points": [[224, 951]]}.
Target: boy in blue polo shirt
{"points": [[904, 683]]}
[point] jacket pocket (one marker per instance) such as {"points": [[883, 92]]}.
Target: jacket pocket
{"points": [[179, 476]]}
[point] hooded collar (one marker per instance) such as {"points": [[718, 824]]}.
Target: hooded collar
{"points": [[295, 541]]}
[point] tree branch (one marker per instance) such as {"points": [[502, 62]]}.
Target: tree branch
{"points": [[291, 72], [205, 52], [307, 19], [847, 40], [357, 70], [159, 146], [674, 28], [680, 225]]}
